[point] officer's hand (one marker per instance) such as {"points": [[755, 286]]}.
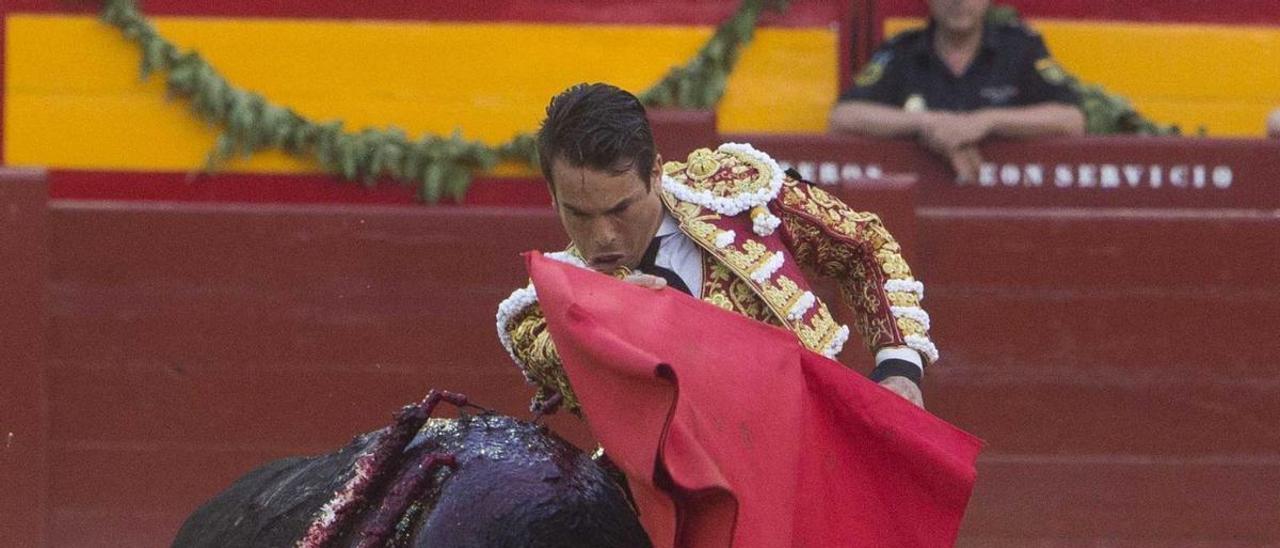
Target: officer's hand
{"points": [[903, 386], [646, 280], [930, 127], [967, 162], [945, 133]]}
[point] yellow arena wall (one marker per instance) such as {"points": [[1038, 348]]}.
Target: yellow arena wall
{"points": [[73, 98], [1225, 78]]}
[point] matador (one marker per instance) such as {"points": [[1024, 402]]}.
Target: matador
{"points": [[732, 229]]}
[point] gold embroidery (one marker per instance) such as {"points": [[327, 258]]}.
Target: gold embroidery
{"points": [[792, 196], [750, 304], [684, 210], [720, 300], [730, 292], [861, 263], [753, 257], [735, 264], [818, 332], [758, 211], [893, 264], [852, 247], [702, 231], [783, 291], [702, 164], [727, 268], [717, 273], [822, 198], [903, 298], [763, 173], [722, 173], [909, 326], [532, 344]]}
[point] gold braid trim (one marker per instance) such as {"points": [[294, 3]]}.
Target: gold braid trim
{"points": [[857, 251], [730, 292], [531, 344]]}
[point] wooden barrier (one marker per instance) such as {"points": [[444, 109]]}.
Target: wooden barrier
{"points": [[1120, 365], [191, 342], [1085, 172], [23, 406], [1090, 172], [1115, 347]]}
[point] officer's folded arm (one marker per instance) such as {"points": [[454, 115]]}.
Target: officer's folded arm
{"points": [[1041, 120], [876, 120]]}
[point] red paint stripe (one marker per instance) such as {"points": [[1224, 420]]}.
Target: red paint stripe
{"points": [[802, 13], [1230, 12], [275, 189]]}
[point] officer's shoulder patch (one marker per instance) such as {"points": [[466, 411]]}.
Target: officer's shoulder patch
{"points": [[873, 71]]}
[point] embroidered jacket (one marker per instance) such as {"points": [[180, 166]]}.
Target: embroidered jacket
{"points": [[731, 202]]}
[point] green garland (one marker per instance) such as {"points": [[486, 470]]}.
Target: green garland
{"points": [[1105, 113], [436, 165], [700, 83]]}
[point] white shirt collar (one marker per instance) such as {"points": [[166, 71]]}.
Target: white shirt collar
{"points": [[669, 225]]}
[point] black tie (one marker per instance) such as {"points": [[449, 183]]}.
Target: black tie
{"points": [[648, 265]]}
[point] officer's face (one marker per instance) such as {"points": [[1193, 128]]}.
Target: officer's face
{"points": [[610, 217], [959, 16]]}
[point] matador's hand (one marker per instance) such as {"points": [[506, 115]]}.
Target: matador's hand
{"points": [[903, 386], [646, 280]]}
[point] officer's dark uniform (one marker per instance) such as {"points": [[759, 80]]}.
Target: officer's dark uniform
{"points": [[1012, 68]]}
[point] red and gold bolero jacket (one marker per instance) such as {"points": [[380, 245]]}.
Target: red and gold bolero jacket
{"points": [[757, 228]]}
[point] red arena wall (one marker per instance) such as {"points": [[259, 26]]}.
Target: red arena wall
{"points": [[1106, 308]]}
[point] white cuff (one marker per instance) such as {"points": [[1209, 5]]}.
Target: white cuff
{"points": [[900, 353]]}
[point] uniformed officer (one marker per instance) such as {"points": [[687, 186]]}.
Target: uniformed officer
{"points": [[958, 81]]}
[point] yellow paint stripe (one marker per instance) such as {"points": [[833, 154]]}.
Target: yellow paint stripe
{"points": [[73, 99], [785, 82], [1224, 77]]}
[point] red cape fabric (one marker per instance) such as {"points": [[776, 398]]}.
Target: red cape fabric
{"points": [[733, 434]]}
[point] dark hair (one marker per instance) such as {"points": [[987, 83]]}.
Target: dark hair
{"points": [[597, 126]]}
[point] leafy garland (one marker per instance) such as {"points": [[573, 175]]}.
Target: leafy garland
{"points": [[434, 164], [700, 83], [1105, 113]]}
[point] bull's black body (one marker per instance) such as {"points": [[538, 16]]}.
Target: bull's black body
{"points": [[514, 484]]}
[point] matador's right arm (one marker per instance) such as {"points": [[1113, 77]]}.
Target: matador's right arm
{"points": [[523, 331]]}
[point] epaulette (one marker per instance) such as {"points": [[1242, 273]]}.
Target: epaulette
{"points": [[709, 195], [729, 180]]}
